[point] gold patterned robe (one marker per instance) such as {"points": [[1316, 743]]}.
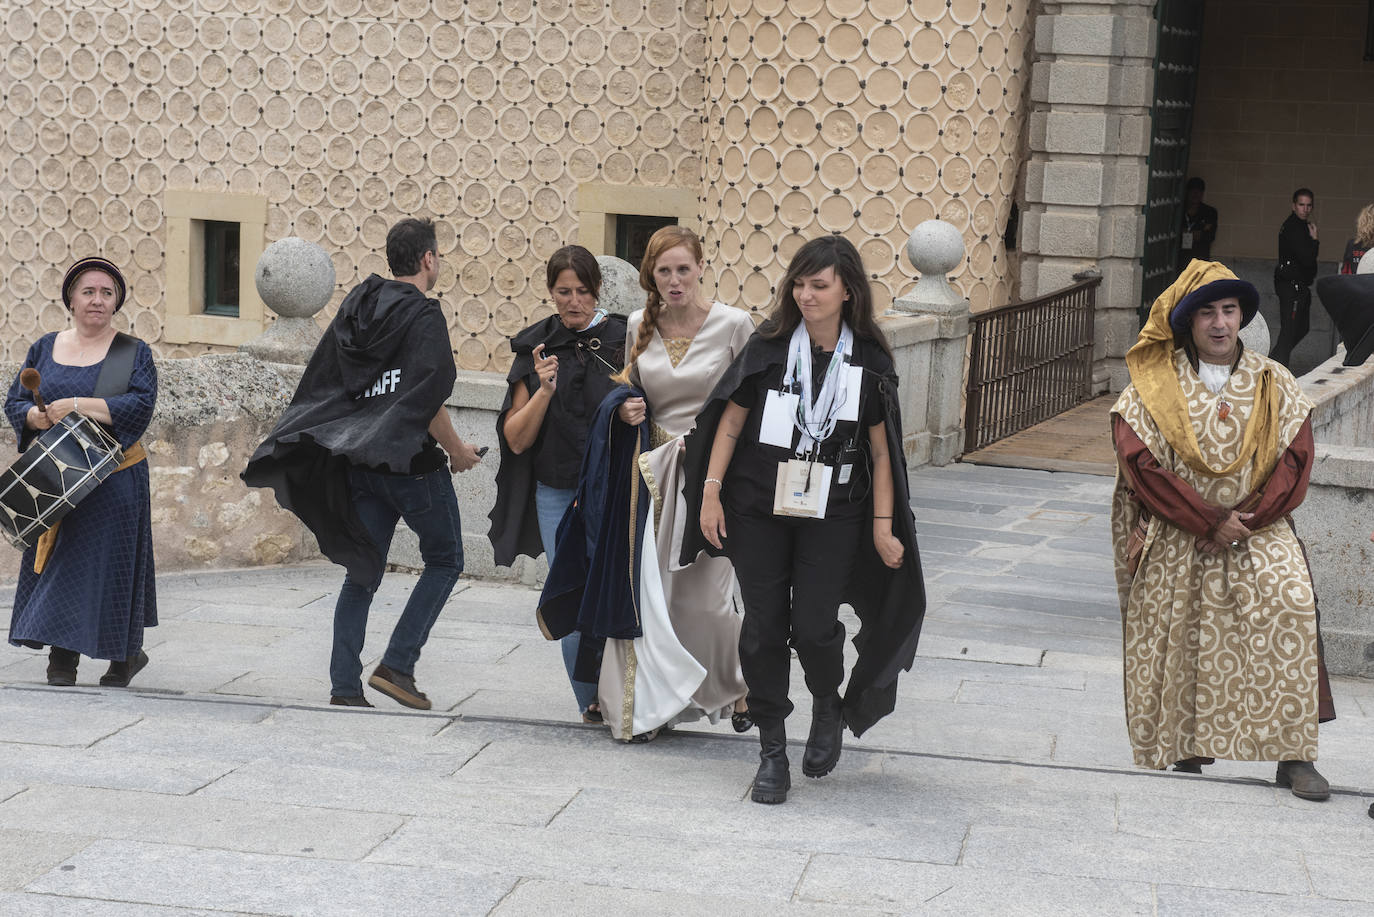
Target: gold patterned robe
{"points": [[1220, 651]]}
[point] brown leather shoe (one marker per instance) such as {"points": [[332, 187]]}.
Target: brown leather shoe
{"points": [[398, 687], [1302, 778], [355, 701], [1193, 765]]}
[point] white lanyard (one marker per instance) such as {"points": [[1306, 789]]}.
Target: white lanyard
{"points": [[816, 418]]}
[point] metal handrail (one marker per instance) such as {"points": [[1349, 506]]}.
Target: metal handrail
{"points": [[1029, 361]]}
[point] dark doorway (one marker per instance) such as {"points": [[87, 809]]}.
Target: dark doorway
{"points": [[1171, 123], [632, 234]]}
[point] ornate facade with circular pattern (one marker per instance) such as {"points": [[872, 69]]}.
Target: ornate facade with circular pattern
{"points": [[863, 118], [789, 118]]}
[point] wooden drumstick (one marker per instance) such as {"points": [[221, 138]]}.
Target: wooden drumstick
{"points": [[30, 379]]}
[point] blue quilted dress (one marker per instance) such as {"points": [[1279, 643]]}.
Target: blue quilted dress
{"points": [[97, 593]]}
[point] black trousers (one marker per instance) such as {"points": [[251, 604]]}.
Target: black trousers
{"points": [[792, 574], [1295, 310]]}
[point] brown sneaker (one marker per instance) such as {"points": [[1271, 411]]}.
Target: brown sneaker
{"points": [[398, 687], [354, 701], [1302, 778]]}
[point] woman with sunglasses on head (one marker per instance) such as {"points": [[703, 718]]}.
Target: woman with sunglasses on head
{"points": [[563, 367], [796, 473]]}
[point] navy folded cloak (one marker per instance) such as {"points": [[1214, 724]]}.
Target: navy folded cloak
{"points": [[593, 584]]}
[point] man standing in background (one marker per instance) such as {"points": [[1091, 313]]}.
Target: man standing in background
{"points": [[1199, 225], [1293, 277]]}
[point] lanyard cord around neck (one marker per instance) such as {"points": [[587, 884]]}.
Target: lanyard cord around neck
{"points": [[816, 417]]}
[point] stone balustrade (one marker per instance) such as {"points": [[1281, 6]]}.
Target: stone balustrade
{"points": [[1335, 520]]}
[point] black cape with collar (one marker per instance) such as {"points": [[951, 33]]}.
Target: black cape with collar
{"points": [[890, 604], [514, 519], [379, 375]]}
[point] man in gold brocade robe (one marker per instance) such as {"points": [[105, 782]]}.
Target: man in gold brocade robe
{"points": [[1222, 654]]}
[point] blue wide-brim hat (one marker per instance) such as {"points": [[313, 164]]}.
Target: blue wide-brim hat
{"points": [[1181, 318]]}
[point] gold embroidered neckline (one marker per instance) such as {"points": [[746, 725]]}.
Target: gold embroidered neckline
{"points": [[677, 349]]}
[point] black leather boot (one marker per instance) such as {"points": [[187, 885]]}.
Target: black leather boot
{"points": [[827, 735], [1302, 778], [772, 781], [122, 671], [62, 667]]}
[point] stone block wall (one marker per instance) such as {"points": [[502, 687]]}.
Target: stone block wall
{"points": [[1335, 520], [1344, 399], [782, 120], [1090, 97]]}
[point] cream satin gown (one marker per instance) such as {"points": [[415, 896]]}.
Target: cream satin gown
{"points": [[686, 666]]}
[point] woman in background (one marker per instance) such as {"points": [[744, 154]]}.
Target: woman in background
{"points": [[1354, 260]]}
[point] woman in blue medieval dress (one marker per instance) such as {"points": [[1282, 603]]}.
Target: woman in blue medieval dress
{"points": [[88, 590]]}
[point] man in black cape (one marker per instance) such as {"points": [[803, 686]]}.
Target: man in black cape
{"points": [[890, 604], [367, 441]]}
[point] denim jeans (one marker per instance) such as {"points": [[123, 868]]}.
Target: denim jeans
{"points": [[550, 503], [428, 505]]}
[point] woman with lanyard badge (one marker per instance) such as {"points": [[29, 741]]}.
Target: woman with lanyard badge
{"points": [[803, 484]]}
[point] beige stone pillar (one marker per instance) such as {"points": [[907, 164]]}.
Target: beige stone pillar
{"points": [[864, 117], [1091, 90]]}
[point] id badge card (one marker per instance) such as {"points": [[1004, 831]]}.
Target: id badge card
{"points": [[803, 489], [1187, 239], [779, 411]]}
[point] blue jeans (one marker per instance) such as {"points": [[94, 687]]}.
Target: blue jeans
{"points": [[428, 505], [550, 503]]}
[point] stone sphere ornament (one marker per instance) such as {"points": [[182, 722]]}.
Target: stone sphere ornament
{"points": [[934, 248], [295, 278], [621, 293]]}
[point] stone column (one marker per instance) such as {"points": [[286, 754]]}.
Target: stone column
{"points": [[928, 330], [1091, 90]]}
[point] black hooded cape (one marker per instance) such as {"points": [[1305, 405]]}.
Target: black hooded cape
{"points": [[890, 604], [379, 375], [582, 379]]}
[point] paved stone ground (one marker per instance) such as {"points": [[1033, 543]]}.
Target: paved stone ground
{"points": [[222, 783]]}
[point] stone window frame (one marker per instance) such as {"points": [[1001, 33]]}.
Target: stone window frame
{"points": [[600, 203], [185, 321]]}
